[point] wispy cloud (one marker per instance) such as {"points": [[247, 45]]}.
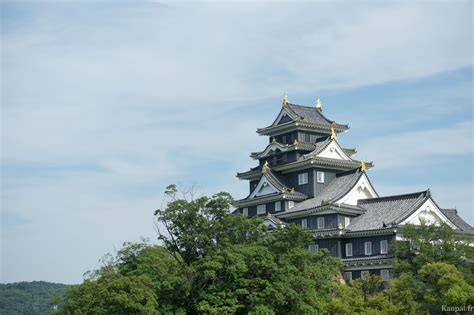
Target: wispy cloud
{"points": [[102, 105], [413, 148]]}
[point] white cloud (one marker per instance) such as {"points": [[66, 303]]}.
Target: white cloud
{"points": [[412, 148], [105, 105]]}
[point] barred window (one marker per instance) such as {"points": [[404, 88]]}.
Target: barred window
{"points": [[321, 223], [304, 223], [383, 247], [349, 249], [302, 178], [320, 177], [368, 248]]}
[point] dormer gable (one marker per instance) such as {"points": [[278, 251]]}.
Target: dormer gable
{"points": [[429, 213], [331, 149], [264, 187], [362, 189]]}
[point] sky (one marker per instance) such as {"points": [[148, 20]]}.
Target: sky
{"points": [[104, 104]]}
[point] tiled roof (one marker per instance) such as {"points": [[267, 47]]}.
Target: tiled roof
{"points": [[366, 258], [312, 114], [336, 189], [453, 216], [321, 145], [280, 184], [275, 220], [386, 210], [303, 116], [303, 146]]}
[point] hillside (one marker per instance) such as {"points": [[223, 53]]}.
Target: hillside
{"points": [[29, 298]]}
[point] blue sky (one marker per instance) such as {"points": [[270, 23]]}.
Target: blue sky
{"points": [[104, 105]]}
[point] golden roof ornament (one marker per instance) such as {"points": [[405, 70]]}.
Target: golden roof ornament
{"points": [[363, 168], [274, 140], [333, 134], [305, 119], [292, 189], [319, 105], [340, 226], [269, 215], [284, 101], [265, 167], [295, 142]]}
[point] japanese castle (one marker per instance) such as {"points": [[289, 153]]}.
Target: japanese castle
{"points": [[305, 176]]}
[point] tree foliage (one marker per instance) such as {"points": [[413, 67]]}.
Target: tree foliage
{"points": [[424, 244], [432, 269], [210, 262], [29, 298], [213, 262]]}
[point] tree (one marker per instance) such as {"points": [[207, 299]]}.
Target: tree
{"points": [[234, 265], [432, 269], [422, 244], [211, 261]]}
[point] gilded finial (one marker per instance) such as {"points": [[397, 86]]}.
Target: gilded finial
{"points": [[284, 190], [269, 215], [363, 168], [333, 134], [326, 202], [340, 226], [284, 101], [319, 105], [292, 189], [265, 167], [295, 142], [274, 140], [305, 119]]}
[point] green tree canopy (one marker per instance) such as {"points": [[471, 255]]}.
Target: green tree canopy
{"points": [[211, 262]]}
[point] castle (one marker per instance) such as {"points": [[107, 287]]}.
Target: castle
{"points": [[305, 176]]}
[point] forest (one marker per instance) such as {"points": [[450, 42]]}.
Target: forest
{"points": [[30, 298]]}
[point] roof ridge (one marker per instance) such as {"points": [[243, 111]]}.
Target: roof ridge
{"points": [[304, 106], [312, 109], [449, 209], [343, 173], [424, 193]]}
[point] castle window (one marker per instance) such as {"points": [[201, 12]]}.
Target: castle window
{"points": [[368, 248], [302, 178], [291, 204], [278, 206], [245, 212], [348, 276], [306, 137], [283, 139], [349, 249], [385, 274], [314, 248], [364, 274], [383, 247], [304, 223], [261, 209], [320, 177], [347, 221], [321, 223]]}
